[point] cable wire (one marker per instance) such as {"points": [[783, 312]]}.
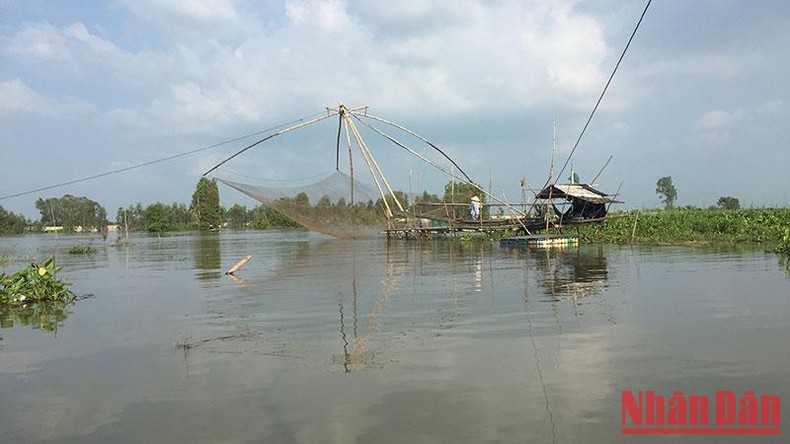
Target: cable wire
{"points": [[152, 162], [600, 98]]}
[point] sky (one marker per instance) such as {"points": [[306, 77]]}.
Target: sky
{"points": [[92, 86]]}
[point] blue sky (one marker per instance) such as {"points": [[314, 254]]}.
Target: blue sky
{"points": [[702, 95]]}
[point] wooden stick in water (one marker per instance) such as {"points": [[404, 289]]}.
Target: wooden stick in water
{"points": [[238, 265]]}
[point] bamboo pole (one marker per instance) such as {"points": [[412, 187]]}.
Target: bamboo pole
{"points": [[376, 165], [465, 179], [238, 265], [387, 210], [350, 159], [592, 182]]}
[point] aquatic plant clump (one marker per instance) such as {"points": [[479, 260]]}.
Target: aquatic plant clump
{"points": [[784, 244], [34, 284], [695, 226], [783, 249], [82, 249]]}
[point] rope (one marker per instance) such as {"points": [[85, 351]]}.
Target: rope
{"points": [[270, 136], [152, 162], [402, 128]]}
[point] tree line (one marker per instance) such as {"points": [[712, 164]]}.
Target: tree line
{"points": [[203, 213], [79, 213]]}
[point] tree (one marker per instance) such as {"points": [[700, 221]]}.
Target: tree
{"points": [[728, 203], [11, 223], [72, 212], [302, 199], [462, 192], [665, 188], [237, 216], [425, 197], [132, 216], [324, 201], [205, 204], [156, 218]]}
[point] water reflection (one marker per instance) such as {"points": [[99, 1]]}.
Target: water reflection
{"points": [[357, 352], [48, 317], [576, 272], [207, 254], [334, 341]]}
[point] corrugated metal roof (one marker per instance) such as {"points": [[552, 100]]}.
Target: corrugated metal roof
{"points": [[577, 190]]}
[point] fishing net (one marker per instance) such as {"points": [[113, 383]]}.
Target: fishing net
{"points": [[357, 199], [338, 205]]}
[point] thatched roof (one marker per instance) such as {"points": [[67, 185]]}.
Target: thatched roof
{"points": [[575, 190]]}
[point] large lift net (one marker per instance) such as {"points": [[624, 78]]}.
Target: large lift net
{"points": [[357, 199]]}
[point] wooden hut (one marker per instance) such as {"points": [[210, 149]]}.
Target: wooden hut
{"points": [[585, 201]]}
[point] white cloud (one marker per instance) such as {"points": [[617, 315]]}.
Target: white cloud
{"points": [[39, 41], [718, 64], [329, 16], [716, 126], [620, 128], [17, 98], [525, 55], [719, 119], [80, 33], [192, 10]]}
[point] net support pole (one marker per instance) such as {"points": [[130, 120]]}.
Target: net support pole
{"points": [[387, 210], [364, 146]]}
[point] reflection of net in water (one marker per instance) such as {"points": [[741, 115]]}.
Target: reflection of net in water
{"points": [[337, 206]]}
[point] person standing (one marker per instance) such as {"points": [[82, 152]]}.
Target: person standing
{"points": [[474, 208]]}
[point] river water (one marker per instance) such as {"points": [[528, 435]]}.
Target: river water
{"points": [[327, 341]]}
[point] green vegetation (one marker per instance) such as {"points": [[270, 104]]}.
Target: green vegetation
{"points": [[665, 188], [72, 213], [729, 203], [783, 247], [155, 218], [11, 223], [692, 226], [82, 249], [160, 217], [205, 204], [458, 192], [34, 284], [44, 316]]}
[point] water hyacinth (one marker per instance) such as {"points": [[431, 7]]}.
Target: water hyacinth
{"points": [[34, 284]]}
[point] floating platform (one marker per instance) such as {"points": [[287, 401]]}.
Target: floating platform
{"points": [[459, 227], [541, 240]]}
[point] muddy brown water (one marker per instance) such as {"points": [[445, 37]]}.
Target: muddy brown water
{"points": [[326, 341]]}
